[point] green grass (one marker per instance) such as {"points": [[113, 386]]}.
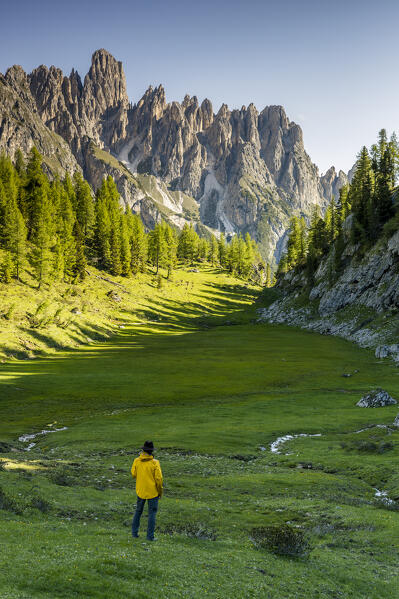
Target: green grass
{"points": [[211, 389]]}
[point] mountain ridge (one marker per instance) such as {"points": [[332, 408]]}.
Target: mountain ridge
{"points": [[247, 171]]}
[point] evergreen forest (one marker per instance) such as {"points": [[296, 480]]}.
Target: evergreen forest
{"points": [[56, 228]]}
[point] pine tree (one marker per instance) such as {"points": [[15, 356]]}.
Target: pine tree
{"points": [[360, 196], [171, 243], [84, 206], [268, 275], [303, 242], [65, 246], [70, 191], [203, 250], [42, 232], [35, 190], [20, 165], [294, 243], [383, 204], [80, 258], [126, 256], [214, 251], [138, 241], [115, 251], [188, 244], [157, 249], [222, 250], [343, 207]]}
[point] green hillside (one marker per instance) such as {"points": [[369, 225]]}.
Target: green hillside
{"points": [[213, 390]]}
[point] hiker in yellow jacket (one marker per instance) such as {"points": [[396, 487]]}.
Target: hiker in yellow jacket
{"points": [[148, 474]]}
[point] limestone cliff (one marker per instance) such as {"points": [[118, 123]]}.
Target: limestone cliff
{"points": [[362, 305]]}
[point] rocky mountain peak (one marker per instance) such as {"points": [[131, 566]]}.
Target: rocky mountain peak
{"points": [[17, 79], [332, 182], [242, 170], [105, 83]]}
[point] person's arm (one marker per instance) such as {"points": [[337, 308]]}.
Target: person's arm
{"points": [[134, 468], [158, 478]]}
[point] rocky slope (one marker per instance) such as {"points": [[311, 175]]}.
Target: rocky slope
{"points": [[21, 125], [361, 306], [237, 171]]}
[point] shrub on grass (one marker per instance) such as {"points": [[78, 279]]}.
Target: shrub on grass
{"points": [[367, 446], [190, 529], [62, 477], [41, 504], [9, 503], [8, 314], [281, 540]]}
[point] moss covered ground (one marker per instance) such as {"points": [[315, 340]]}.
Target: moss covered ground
{"points": [[214, 390]]}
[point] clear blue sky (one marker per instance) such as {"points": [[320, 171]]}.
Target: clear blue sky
{"points": [[333, 65]]}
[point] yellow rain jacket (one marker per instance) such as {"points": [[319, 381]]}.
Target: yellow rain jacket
{"points": [[148, 474]]}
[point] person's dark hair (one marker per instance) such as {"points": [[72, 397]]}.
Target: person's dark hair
{"points": [[148, 447]]}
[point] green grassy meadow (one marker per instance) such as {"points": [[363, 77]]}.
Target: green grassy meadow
{"points": [[193, 371]]}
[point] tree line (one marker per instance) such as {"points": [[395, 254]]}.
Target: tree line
{"points": [[55, 228], [364, 212]]}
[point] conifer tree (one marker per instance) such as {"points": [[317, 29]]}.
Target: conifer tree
{"points": [[20, 165], [80, 258], [294, 243], [222, 250], [42, 234], [64, 216], [203, 250], [188, 244], [70, 191], [171, 243], [157, 249], [35, 191], [84, 206], [268, 275], [126, 256], [138, 243], [214, 251], [360, 195]]}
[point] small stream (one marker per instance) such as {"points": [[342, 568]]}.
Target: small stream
{"points": [[29, 438], [275, 447]]}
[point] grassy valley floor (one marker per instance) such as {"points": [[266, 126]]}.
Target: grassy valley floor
{"points": [[192, 371]]}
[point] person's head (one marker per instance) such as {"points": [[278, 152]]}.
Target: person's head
{"points": [[148, 447]]}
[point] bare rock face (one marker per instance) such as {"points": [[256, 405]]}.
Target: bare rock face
{"points": [[95, 110], [331, 183], [21, 126], [360, 306], [249, 172], [378, 398], [246, 171]]}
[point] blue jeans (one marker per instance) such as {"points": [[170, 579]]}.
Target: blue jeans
{"points": [[152, 512]]}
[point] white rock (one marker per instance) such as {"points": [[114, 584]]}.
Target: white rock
{"points": [[377, 398]]}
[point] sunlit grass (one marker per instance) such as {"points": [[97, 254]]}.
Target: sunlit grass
{"points": [[212, 390]]}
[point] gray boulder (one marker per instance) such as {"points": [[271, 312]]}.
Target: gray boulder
{"points": [[396, 421], [114, 296], [383, 351], [378, 398]]}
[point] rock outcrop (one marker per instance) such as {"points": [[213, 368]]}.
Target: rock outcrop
{"points": [[362, 305], [246, 171], [378, 398], [21, 126]]}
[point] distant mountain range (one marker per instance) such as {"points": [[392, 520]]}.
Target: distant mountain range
{"points": [[234, 171]]}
